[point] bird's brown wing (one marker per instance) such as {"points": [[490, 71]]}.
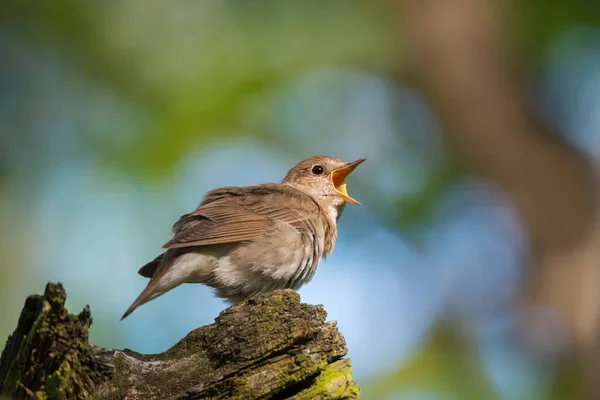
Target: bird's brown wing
{"points": [[149, 269], [235, 214]]}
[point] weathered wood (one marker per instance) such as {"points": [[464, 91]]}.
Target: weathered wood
{"points": [[268, 347]]}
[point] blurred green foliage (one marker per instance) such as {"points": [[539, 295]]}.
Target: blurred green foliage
{"points": [[204, 71], [447, 364], [540, 22], [196, 68]]}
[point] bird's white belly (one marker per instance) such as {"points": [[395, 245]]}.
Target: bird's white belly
{"points": [[190, 267], [286, 261]]}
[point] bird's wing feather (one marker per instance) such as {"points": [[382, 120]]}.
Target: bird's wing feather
{"points": [[149, 268], [235, 214]]}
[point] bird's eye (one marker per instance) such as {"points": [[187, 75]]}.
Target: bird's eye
{"points": [[317, 170]]}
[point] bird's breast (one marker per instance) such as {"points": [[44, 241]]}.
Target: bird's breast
{"points": [[286, 257]]}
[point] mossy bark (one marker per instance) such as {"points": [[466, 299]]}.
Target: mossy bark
{"points": [[268, 347]]}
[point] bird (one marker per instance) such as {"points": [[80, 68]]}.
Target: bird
{"points": [[246, 240]]}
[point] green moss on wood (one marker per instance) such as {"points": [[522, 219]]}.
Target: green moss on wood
{"points": [[52, 359], [268, 347], [119, 385], [334, 382]]}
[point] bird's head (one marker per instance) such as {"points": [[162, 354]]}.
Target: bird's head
{"points": [[324, 178]]}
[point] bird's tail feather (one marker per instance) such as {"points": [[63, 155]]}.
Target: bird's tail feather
{"points": [[153, 289], [147, 294]]}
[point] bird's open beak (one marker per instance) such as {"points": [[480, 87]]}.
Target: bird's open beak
{"points": [[338, 179]]}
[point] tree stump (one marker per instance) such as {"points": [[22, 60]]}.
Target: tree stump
{"points": [[268, 347]]}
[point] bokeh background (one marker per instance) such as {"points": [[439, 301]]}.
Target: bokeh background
{"points": [[471, 271]]}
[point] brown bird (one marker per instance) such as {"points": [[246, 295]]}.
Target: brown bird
{"points": [[246, 240]]}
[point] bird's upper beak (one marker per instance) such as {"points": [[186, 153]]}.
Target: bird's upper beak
{"points": [[338, 179]]}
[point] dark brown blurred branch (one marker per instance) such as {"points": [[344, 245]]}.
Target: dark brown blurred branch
{"points": [[466, 67], [269, 347]]}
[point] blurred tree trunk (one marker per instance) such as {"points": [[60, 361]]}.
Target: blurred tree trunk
{"points": [[464, 64]]}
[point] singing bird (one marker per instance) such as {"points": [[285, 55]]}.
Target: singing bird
{"points": [[242, 241]]}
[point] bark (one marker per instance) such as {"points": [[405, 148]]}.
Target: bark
{"points": [[465, 65], [268, 347]]}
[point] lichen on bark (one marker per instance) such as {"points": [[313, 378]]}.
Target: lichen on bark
{"points": [[48, 355], [268, 347]]}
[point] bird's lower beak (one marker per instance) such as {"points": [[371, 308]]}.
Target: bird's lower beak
{"points": [[338, 179]]}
